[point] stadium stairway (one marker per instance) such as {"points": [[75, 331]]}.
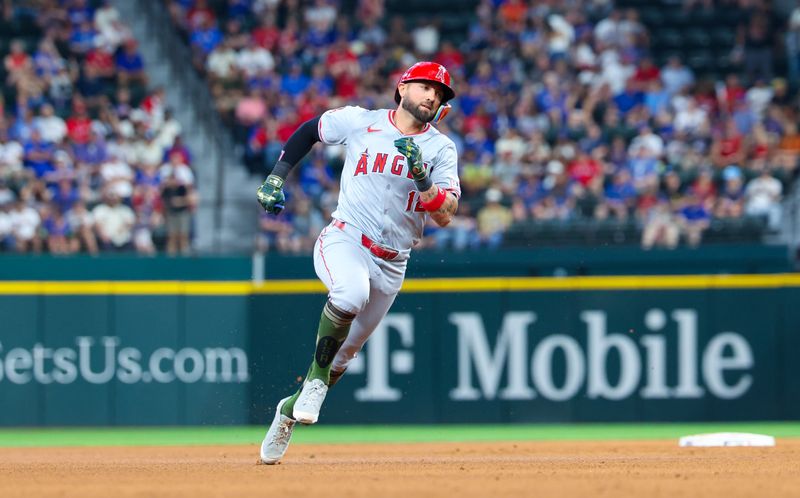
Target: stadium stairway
{"points": [[227, 214]]}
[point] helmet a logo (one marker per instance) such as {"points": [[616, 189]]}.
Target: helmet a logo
{"points": [[440, 74]]}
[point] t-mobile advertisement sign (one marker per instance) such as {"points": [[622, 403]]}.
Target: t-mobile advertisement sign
{"points": [[517, 361]]}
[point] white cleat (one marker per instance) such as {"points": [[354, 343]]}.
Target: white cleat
{"points": [[307, 406], [278, 436]]}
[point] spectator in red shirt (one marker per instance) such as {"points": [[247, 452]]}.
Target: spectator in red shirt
{"points": [[17, 59], [731, 93], [79, 125], [154, 106], [343, 66], [728, 147], [266, 35], [760, 143], [479, 119], [450, 57], [18, 63], [340, 58], [706, 98], [584, 168], [200, 14], [263, 147], [307, 107], [289, 40], [347, 84], [288, 124], [704, 189], [100, 59], [513, 11], [646, 73]]}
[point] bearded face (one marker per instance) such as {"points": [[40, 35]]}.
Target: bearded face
{"points": [[421, 100]]}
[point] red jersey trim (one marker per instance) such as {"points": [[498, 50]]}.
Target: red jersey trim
{"points": [[391, 120], [322, 255]]}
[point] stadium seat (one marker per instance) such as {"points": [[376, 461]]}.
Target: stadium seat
{"points": [[723, 37], [697, 38], [676, 18], [652, 17], [670, 39], [701, 61]]}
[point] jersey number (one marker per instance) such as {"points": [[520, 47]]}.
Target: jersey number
{"points": [[418, 206]]}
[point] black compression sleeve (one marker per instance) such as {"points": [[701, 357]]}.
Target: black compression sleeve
{"points": [[298, 145]]}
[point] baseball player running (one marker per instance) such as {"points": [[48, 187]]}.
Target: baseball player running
{"points": [[398, 170]]}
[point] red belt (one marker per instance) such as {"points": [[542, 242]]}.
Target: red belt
{"points": [[375, 248]]}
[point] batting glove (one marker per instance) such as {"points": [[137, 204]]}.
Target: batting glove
{"points": [[270, 194], [408, 148]]}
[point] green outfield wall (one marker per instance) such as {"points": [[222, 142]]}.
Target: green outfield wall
{"points": [[512, 349], [87, 356], [540, 262]]}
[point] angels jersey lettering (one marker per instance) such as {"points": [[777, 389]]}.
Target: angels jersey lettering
{"points": [[377, 194]]}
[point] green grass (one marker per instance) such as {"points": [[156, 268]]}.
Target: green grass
{"points": [[325, 434]]}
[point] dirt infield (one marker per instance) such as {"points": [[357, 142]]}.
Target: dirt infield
{"points": [[463, 470]]}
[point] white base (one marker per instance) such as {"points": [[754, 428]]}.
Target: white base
{"points": [[727, 439]]}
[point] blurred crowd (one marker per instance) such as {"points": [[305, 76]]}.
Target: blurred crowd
{"points": [[91, 159], [562, 111]]}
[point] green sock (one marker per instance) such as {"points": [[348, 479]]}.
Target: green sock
{"points": [[288, 407], [334, 324]]}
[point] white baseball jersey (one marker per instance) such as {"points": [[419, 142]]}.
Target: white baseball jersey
{"points": [[378, 195]]}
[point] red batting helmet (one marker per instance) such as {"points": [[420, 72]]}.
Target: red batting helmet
{"points": [[427, 71]]}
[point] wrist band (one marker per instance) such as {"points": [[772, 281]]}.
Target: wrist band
{"points": [[281, 169], [436, 202], [275, 180], [424, 184]]}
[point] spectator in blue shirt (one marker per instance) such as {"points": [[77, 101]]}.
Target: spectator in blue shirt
{"points": [[239, 8], [629, 99], [318, 38], [206, 37], [644, 169], [57, 231], [62, 170], [316, 177], [656, 98], [130, 65], [263, 80], [320, 81], [79, 12], [470, 100], [551, 97], [694, 219], [47, 61], [65, 195], [295, 82], [621, 194], [275, 232], [82, 38], [92, 152], [23, 126], [91, 86], [39, 155]]}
